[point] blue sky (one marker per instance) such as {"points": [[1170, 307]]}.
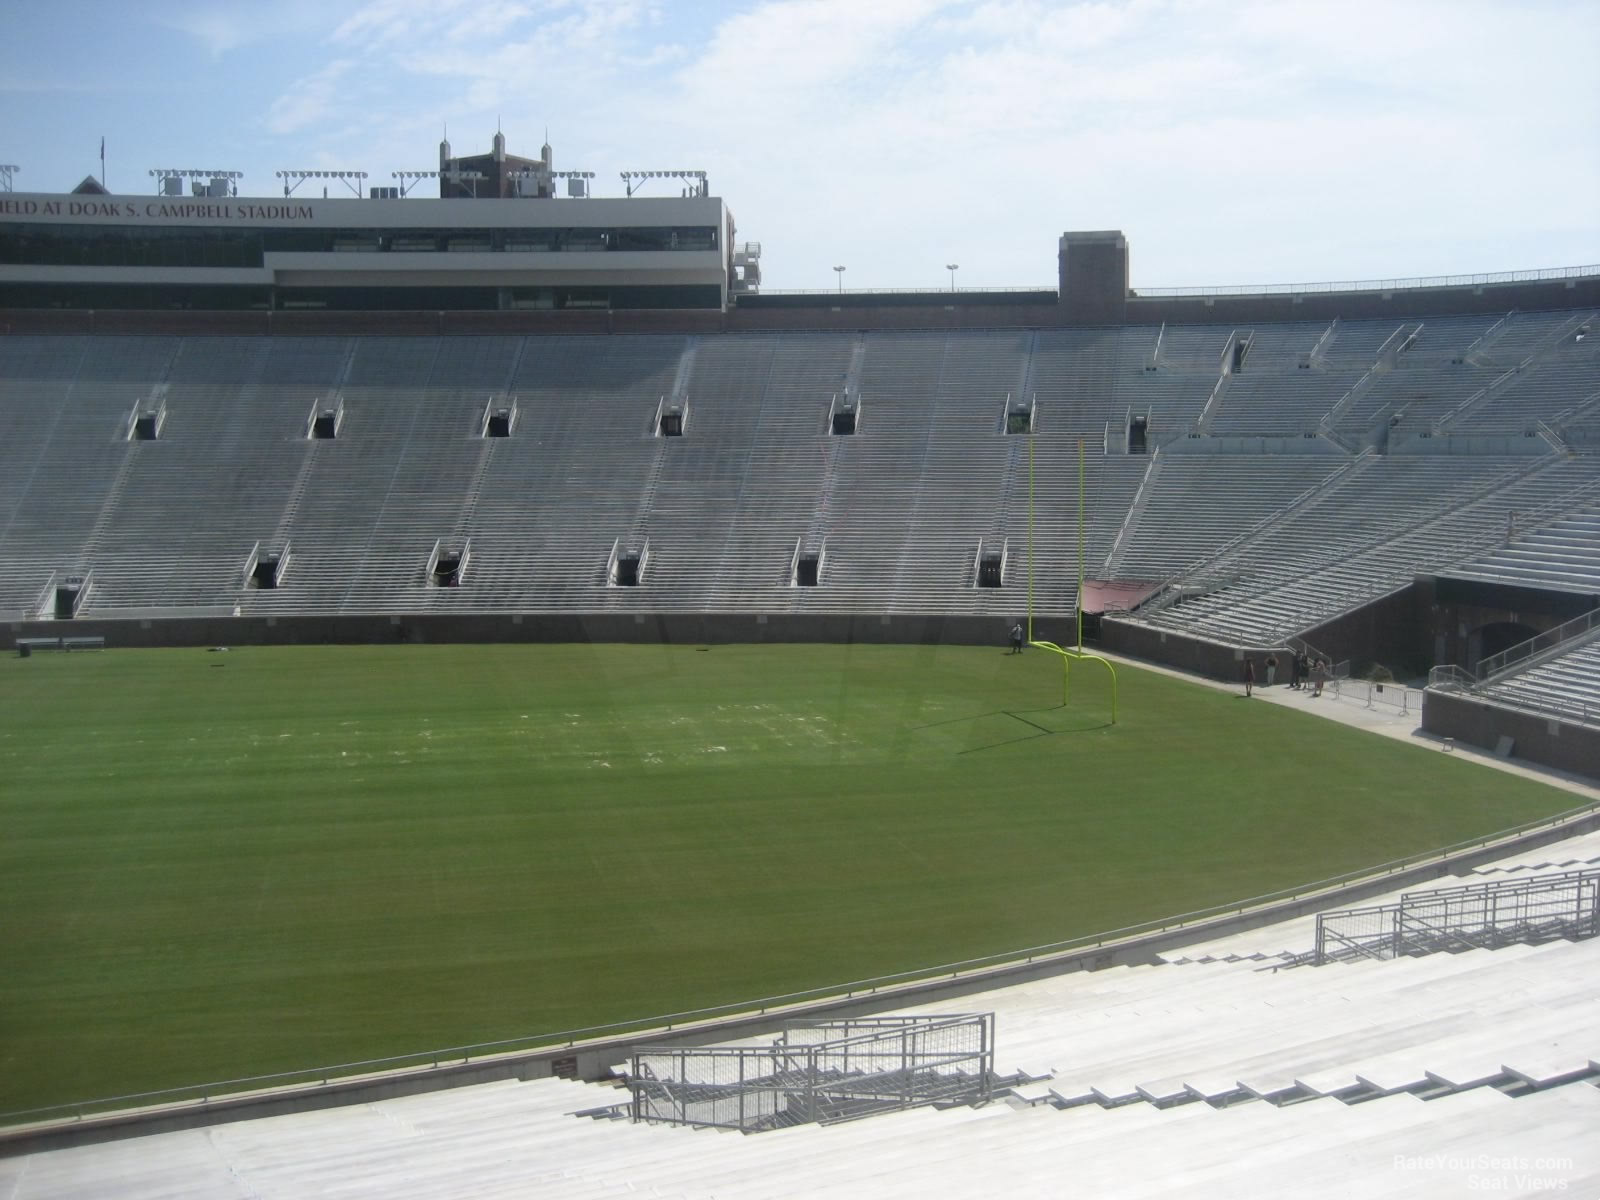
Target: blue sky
{"points": [[1234, 141]]}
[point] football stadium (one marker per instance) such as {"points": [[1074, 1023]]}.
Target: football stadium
{"points": [[497, 702]]}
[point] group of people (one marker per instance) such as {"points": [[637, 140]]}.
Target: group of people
{"points": [[1305, 673]]}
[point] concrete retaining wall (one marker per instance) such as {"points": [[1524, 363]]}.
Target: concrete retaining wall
{"points": [[1535, 737], [652, 628]]}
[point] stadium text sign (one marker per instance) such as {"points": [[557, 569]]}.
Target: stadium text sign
{"points": [[137, 210]]}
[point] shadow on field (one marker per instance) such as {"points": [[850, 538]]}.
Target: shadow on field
{"points": [[1038, 730]]}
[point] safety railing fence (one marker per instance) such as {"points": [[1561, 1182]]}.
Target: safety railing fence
{"points": [[1522, 652], [1486, 914], [1450, 677], [1576, 712], [1377, 285], [1569, 710], [1018, 289], [1387, 697], [817, 1071], [1238, 289]]}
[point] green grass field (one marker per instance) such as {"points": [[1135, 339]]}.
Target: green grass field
{"points": [[217, 864]]}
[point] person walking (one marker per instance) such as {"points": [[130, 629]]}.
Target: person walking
{"points": [[1016, 638], [1249, 675]]}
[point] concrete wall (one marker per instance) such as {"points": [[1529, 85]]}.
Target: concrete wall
{"points": [[1184, 444], [654, 628], [1391, 630], [1092, 270], [1470, 446], [1169, 648], [1535, 738]]}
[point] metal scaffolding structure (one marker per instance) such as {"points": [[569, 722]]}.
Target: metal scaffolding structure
{"points": [[1461, 918], [817, 1071]]}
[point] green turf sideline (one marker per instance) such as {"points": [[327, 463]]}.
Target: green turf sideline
{"points": [[219, 865]]}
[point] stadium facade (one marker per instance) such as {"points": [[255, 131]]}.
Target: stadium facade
{"points": [[517, 247]]}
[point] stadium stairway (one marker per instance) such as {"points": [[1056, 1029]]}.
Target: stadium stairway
{"points": [[518, 1139]]}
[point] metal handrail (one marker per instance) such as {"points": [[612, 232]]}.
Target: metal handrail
{"points": [[1538, 644], [203, 1092], [1239, 289], [1450, 675], [1579, 712], [1395, 916], [1377, 285], [922, 291]]}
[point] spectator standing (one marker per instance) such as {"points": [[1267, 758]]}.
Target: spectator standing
{"points": [[1249, 675], [1272, 669]]}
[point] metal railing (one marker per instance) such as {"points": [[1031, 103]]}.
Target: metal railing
{"points": [[921, 291], [1395, 696], [817, 1071], [1240, 289], [1474, 916], [552, 1040], [1575, 712], [1450, 677], [1524, 652], [1377, 285]]}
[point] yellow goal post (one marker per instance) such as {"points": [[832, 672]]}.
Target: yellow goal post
{"points": [[1068, 656]]}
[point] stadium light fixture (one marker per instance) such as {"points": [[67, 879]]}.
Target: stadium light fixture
{"points": [[698, 185], [7, 170], [582, 190], [839, 271], [417, 177], [162, 174], [952, 268], [300, 177]]}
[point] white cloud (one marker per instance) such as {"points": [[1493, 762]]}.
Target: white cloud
{"points": [[1228, 137], [225, 27], [309, 101]]}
